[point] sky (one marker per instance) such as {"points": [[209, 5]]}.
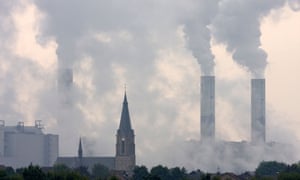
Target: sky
{"points": [[159, 49]]}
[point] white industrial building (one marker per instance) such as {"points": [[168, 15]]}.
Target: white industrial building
{"points": [[21, 145]]}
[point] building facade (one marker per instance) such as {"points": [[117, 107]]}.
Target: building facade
{"points": [[21, 145]]}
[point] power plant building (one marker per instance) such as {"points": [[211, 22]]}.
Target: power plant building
{"points": [[21, 145]]}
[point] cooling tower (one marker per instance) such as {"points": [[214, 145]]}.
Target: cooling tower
{"points": [[258, 108], [207, 107]]}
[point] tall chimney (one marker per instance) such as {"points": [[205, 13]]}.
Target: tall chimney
{"points": [[258, 111], [207, 107]]}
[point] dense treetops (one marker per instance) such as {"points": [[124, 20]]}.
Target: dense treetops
{"points": [[265, 170]]}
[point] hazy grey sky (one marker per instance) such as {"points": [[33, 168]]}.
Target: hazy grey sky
{"points": [[149, 45]]}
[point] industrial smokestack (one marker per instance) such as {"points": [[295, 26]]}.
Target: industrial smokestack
{"points": [[258, 108], [207, 107]]}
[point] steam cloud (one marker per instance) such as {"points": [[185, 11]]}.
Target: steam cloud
{"points": [[294, 5], [198, 34], [238, 26], [110, 42]]}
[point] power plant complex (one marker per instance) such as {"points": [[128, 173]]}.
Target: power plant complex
{"points": [[21, 145], [213, 155]]}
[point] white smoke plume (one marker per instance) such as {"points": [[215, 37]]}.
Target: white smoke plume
{"points": [[294, 5], [198, 34], [23, 75], [107, 44], [237, 25]]}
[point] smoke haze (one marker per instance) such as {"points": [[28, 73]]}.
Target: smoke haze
{"points": [[238, 26], [198, 34], [149, 45]]}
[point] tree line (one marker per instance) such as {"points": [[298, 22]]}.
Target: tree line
{"points": [[265, 170], [57, 172]]}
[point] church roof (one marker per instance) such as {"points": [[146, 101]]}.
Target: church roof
{"points": [[125, 125]]}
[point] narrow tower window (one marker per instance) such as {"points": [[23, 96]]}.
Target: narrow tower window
{"points": [[123, 146]]}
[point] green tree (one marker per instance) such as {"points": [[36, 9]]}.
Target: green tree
{"points": [[8, 173], [60, 168], [290, 173], [206, 176], [177, 173], [113, 178], [33, 173], [269, 168], [293, 168], [140, 173], [83, 171], [73, 175], [2, 173], [161, 172], [58, 172], [100, 171], [61, 172], [289, 176]]}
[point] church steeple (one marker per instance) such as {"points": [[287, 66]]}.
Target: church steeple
{"points": [[79, 161], [125, 124], [125, 147], [80, 150]]}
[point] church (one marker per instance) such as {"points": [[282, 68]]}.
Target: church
{"points": [[124, 159]]}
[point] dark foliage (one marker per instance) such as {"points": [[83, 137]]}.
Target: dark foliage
{"points": [[82, 170], [159, 173], [270, 168], [265, 170], [140, 173], [100, 171], [289, 176], [292, 172], [33, 173]]}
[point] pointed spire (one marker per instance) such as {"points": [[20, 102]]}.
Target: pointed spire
{"points": [[125, 96], [125, 125], [80, 149], [125, 99]]}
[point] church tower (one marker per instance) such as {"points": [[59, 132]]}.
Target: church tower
{"points": [[80, 153], [125, 147]]}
